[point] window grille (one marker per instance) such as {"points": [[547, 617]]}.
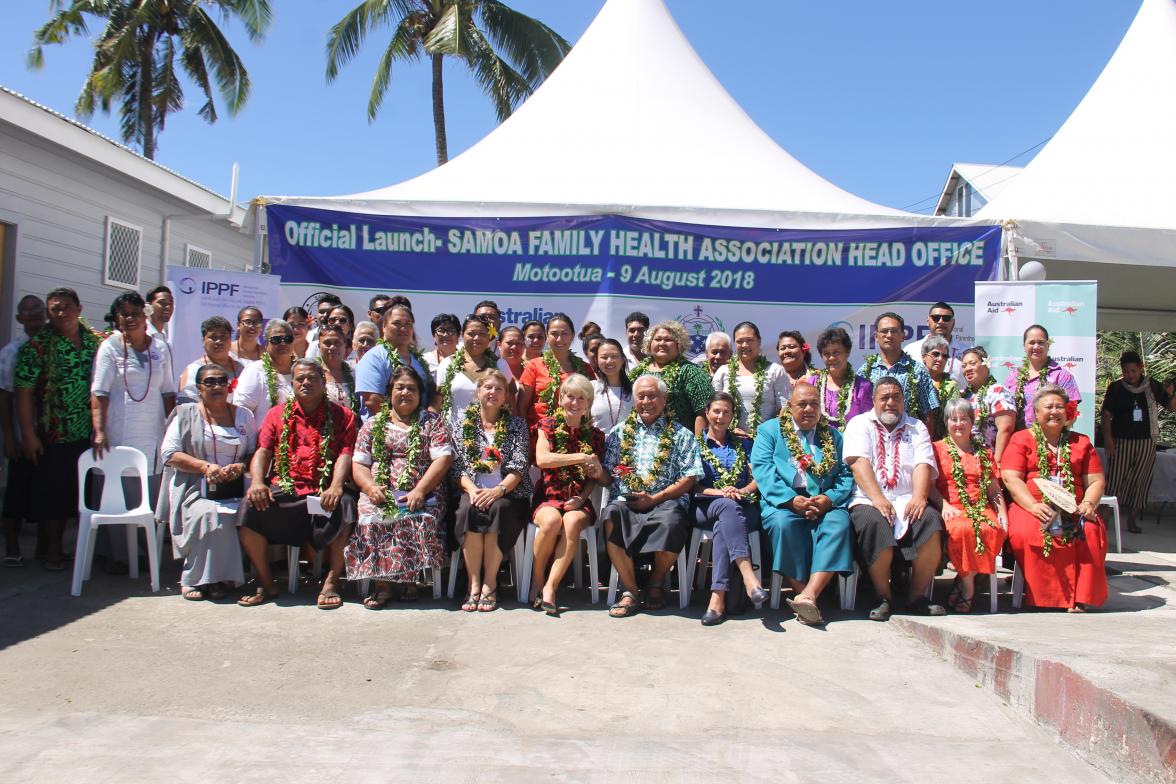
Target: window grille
{"points": [[124, 243]]}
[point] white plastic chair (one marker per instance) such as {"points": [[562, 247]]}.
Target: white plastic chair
{"points": [[700, 542], [292, 566], [846, 586], [521, 577], [1113, 503], [589, 535], [112, 510]]}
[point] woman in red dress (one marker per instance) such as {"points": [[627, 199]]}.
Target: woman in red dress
{"points": [[973, 505], [1065, 569]]}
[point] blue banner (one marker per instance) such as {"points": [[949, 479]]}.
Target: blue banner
{"points": [[612, 255]]}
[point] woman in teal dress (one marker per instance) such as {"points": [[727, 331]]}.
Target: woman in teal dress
{"points": [[804, 488]]}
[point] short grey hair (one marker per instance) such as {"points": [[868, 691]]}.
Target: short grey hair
{"points": [[957, 405], [661, 385], [310, 363], [365, 325], [1045, 390], [716, 337], [281, 324], [933, 342]]}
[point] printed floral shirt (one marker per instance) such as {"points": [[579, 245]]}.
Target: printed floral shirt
{"points": [[305, 440], [685, 459], [997, 399], [924, 394], [59, 373]]}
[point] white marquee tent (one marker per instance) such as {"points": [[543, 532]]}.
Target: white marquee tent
{"points": [[1098, 202], [631, 123]]}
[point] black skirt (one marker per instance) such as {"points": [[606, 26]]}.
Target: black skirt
{"points": [[286, 522], [54, 486], [664, 528], [874, 532], [507, 517]]}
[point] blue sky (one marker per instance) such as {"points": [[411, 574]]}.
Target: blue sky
{"points": [[879, 98]]}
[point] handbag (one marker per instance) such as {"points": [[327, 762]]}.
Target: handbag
{"points": [[223, 491]]}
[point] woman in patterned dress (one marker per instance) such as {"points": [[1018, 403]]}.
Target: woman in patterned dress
{"points": [[992, 405], [332, 355], [399, 533], [688, 384]]}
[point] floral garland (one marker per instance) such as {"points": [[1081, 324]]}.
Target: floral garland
{"points": [[627, 467], [669, 377], [910, 389], [946, 389], [282, 465], [456, 363], [90, 338], [271, 378], [983, 410], [760, 374], [1065, 470], [726, 477], [1022, 381], [562, 437], [394, 355], [888, 476], [803, 460], [974, 509], [491, 455], [550, 393], [382, 459], [842, 393]]}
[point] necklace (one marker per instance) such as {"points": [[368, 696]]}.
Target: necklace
{"points": [[759, 374], [1022, 382], [888, 475], [555, 373], [271, 378], [563, 438], [627, 467], [382, 458], [456, 362], [394, 358], [1065, 471], [206, 418], [843, 392], [946, 389], [492, 454], [974, 509], [724, 477], [613, 416], [126, 367], [980, 398], [323, 463], [804, 460]]}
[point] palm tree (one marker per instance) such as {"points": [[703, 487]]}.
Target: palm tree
{"points": [[509, 53], [1158, 351], [142, 48]]}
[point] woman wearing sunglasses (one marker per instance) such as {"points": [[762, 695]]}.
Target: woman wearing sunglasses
{"points": [[267, 383], [936, 353], [205, 451]]}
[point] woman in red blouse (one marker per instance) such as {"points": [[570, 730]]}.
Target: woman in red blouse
{"points": [[538, 391], [1065, 570], [568, 450]]}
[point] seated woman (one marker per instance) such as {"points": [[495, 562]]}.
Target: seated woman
{"points": [[217, 334], [205, 451], [968, 492], [725, 500], [1062, 560], [567, 450], [493, 462], [401, 456]]}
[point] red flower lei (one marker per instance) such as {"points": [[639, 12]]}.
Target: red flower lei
{"points": [[889, 478]]}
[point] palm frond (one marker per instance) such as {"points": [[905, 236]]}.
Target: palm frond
{"points": [[405, 45], [347, 35], [529, 45], [220, 59], [505, 87]]}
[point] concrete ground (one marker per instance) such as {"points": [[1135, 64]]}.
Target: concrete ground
{"points": [[125, 685]]}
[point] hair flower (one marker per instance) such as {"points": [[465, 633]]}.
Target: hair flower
{"points": [[805, 346], [1071, 411]]}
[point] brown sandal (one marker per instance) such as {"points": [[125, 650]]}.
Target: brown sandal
{"points": [[257, 599]]}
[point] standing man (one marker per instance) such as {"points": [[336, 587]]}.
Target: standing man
{"points": [[376, 307], [326, 304], [52, 381], [635, 325], [718, 353], [163, 305], [921, 400], [30, 314], [941, 320]]}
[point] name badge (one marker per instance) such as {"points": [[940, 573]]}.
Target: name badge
{"points": [[1137, 414]]}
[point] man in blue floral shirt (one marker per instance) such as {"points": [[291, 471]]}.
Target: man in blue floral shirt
{"points": [[921, 399], [652, 464]]}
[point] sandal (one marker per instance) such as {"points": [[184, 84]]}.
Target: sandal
{"points": [[377, 600], [193, 593], [260, 597], [13, 561], [806, 611], [329, 600], [488, 602], [654, 599], [623, 609], [471, 603], [957, 601], [881, 612]]}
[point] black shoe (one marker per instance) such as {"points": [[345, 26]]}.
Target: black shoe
{"points": [[759, 596], [712, 618]]}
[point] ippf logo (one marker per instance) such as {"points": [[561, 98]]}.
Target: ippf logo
{"points": [[186, 286]]}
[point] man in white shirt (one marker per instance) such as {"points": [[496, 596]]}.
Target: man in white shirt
{"points": [[941, 320], [30, 314], [893, 467], [635, 325]]}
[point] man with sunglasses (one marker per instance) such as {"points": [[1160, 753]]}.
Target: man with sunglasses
{"points": [[376, 307], [940, 321]]}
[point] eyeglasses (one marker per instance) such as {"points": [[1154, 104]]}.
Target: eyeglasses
{"points": [[214, 381], [889, 330], [250, 323], [445, 331], [939, 318], [339, 320], [280, 339]]}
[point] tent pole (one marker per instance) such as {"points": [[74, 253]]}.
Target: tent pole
{"points": [[259, 231], [1012, 271]]}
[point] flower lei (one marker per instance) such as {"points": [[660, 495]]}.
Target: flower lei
{"points": [[551, 392], [394, 354], [946, 389], [669, 376], [562, 437], [982, 408], [760, 375], [1067, 474], [282, 476], [627, 467], [888, 477], [803, 460], [726, 477], [90, 338], [456, 363], [492, 454], [271, 378], [382, 459], [974, 509], [910, 389], [1022, 380], [842, 392]]}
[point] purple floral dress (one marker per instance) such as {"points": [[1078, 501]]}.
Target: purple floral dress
{"points": [[401, 548]]}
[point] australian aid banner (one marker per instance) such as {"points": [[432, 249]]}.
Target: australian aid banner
{"points": [[603, 267], [1067, 309], [201, 293]]}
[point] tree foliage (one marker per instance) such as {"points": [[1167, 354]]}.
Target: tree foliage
{"points": [[1158, 350]]}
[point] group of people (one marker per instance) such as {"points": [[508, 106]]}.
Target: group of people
{"points": [[351, 440]]}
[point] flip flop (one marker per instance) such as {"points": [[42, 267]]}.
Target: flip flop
{"points": [[257, 599], [324, 600], [13, 561], [623, 610], [193, 593], [881, 612], [471, 603], [806, 611], [377, 600]]}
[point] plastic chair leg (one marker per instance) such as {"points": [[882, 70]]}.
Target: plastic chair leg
{"points": [[613, 579], [754, 544], [992, 593], [132, 534], [704, 554], [848, 587], [683, 585], [292, 554], [528, 563], [454, 563], [1113, 503], [519, 556], [91, 540], [589, 536], [436, 583], [1018, 586], [152, 554], [689, 558], [81, 560], [777, 587]]}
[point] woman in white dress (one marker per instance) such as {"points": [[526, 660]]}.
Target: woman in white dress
{"points": [[217, 333], [246, 347], [266, 383], [457, 375], [612, 391], [205, 450], [760, 388]]}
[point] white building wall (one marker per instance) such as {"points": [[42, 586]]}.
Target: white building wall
{"points": [[56, 203]]}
